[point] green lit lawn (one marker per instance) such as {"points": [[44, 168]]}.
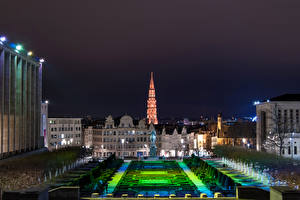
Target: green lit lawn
{"points": [[155, 177]]}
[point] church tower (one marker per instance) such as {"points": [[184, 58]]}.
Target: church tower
{"points": [[151, 103]]}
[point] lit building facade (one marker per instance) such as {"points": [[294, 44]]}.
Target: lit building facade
{"points": [[151, 103], [64, 132], [20, 100], [120, 137], [279, 114], [234, 133], [126, 137]]}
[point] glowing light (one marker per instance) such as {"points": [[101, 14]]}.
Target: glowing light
{"points": [[42, 60], [2, 39], [244, 140], [30, 53], [254, 119], [19, 47], [46, 101], [256, 103]]}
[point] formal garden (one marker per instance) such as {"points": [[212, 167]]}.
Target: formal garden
{"points": [[278, 168], [148, 178], [214, 179], [93, 180], [31, 170]]}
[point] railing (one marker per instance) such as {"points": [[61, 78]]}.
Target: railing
{"points": [[159, 198]]}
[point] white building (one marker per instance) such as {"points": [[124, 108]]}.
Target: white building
{"points": [[120, 136], [279, 116], [126, 137], [64, 132]]}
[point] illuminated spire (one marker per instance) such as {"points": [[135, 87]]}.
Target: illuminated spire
{"points": [[151, 82], [151, 103]]}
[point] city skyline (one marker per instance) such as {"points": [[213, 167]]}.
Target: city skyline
{"points": [[206, 60]]}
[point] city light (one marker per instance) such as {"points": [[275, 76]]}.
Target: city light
{"points": [[19, 47], [244, 140], [42, 60], [30, 53], [256, 103], [2, 39], [254, 119], [47, 102]]}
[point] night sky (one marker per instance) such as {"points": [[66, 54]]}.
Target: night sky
{"points": [[207, 56]]}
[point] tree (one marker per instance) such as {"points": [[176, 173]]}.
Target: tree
{"points": [[280, 128]]}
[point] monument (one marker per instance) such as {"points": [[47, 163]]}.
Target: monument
{"points": [[152, 144]]}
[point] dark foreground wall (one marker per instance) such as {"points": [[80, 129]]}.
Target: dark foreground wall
{"points": [[65, 193]]}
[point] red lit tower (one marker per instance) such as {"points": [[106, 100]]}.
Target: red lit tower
{"points": [[151, 103]]}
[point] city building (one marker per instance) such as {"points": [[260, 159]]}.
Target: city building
{"points": [[20, 100], [278, 119], [64, 132], [123, 137], [126, 137], [235, 133], [44, 122], [151, 103], [88, 136]]}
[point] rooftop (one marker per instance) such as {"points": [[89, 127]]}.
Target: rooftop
{"points": [[286, 97]]}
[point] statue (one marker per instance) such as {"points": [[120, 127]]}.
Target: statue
{"points": [[152, 144]]}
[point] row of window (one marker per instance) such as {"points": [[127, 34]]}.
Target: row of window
{"points": [[64, 121], [58, 144], [291, 117], [125, 153], [289, 150], [138, 139], [65, 135], [122, 132], [125, 146], [64, 129]]}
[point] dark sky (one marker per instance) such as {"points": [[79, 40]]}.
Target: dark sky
{"points": [[207, 56]]}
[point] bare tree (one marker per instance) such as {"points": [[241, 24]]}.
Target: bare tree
{"points": [[280, 128]]}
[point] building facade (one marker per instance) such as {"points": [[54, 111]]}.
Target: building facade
{"points": [[64, 132], [279, 117], [121, 137], [126, 137], [20, 101]]}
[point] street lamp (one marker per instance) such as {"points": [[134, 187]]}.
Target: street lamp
{"points": [[182, 141], [122, 141], [292, 144]]}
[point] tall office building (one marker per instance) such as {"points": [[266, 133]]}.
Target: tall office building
{"points": [[20, 100], [151, 103]]}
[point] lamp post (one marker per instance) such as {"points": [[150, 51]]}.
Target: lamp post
{"points": [[292, 145], [182, 153], [122, 141]]}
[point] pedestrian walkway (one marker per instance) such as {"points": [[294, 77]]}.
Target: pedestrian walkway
{"points": [[199, 184], [115, 180]]}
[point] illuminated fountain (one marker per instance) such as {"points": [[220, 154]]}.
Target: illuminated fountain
{"points": [[259, 176]]}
